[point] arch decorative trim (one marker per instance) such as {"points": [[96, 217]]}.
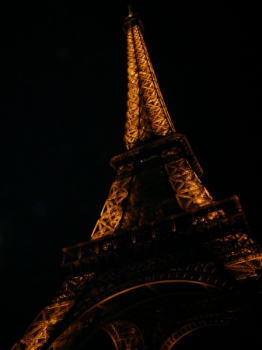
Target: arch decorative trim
{"points": [[193, 326]]}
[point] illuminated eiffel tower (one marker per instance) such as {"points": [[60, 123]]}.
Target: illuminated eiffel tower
{"points": [[164, 259]]}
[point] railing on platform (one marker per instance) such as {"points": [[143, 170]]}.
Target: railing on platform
{"points": [[220, 227]]}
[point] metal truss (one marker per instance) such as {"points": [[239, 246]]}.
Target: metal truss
{"points": [[221, 227], [247, 266], [123, 268], [125, 335], [112, 211], [190, 193], [242, 256], [114, 290], [111, 276], [212, 320], [39, 331], [146, 110]]}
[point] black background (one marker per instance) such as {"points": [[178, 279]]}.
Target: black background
{"points": [[64, 102]]}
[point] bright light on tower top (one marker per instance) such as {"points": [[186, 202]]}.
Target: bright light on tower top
{"points": [[130, 14]]}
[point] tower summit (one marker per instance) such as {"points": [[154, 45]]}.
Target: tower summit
{"points": [[147, 114], [164, 259]]}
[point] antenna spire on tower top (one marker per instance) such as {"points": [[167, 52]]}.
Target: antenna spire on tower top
{"points": [[130, 14]]}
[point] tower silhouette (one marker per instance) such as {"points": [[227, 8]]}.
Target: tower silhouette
{"points": [[164, 259]]}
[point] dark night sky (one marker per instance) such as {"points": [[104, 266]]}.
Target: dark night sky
{"points": [[64, 94]]}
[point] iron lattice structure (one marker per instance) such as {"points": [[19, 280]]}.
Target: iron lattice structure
{"points": [[164, 259], [146, 110]]}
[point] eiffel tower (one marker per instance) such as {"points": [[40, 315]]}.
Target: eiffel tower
{"points": [[164, 258]]}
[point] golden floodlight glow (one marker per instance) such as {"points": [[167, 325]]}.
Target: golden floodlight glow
{"points": [[147, 113], [112, 211], [190, 193], [146, 116], [154, 238]]}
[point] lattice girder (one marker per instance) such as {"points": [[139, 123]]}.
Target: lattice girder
{"points": [[127, 275], [114, 285], [212, 320], [247, 266], [147, 113], [110, 275], [123, 206], [39, 331], [190, 193], [112, 211], [125, 335]]}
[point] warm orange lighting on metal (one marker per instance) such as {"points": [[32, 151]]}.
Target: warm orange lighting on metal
{"points": [[213, 320], [190, 193], [125, 335], [112, 211], [142, 240], [147, 114], [39, 331], [248, 265]]}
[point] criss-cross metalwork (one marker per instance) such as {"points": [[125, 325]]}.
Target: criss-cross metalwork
{"points": [[112, 211], [125, 335], [147, 113], [164, 259], [190, 193], [40, 329], [209, 320]]}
